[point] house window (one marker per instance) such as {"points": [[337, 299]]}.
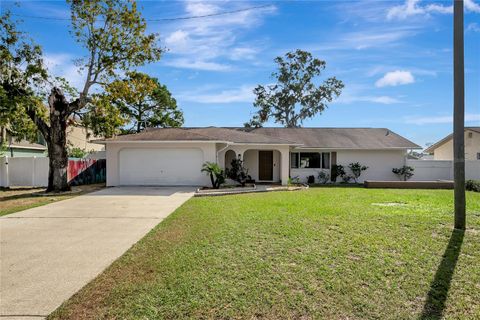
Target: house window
{"points": [[478, 156], [294, 160], [309, 160], [325, 160]]}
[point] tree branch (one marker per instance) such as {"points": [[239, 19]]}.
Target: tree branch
{"points": [[40, 123]]}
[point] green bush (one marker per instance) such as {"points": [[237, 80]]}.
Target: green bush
{"points": [[473, 185], [337, 171], [357, 170], [323, 177], [404, 173], [237, 172]]}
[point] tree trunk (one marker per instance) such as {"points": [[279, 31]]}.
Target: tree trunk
{"points": [[57, 143]]}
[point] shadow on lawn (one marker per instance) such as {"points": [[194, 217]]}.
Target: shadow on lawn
{"points": [[435, 304]]}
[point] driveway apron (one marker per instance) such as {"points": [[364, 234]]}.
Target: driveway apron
{"points": [[48, 253]]}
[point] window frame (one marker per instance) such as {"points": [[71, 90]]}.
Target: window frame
{"points": [[298, 155]]}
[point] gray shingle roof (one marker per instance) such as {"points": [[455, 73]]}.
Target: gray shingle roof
{"points": [[339, 138], [201, 134]]}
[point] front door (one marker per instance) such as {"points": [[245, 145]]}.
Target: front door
{"points": [[265, 165]]}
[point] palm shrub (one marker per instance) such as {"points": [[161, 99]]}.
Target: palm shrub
{"points": [[217, 175], [237, 172], [404, 173], [357, 170]]}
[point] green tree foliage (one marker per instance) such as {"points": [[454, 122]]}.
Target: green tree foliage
{"points": [[75, 152], [113, 33], [22, 75], [144, 102], [216, 174], [295, 96]]}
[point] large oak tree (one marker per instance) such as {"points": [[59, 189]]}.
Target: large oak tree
{"points": [[295, 96], [114, 36]]}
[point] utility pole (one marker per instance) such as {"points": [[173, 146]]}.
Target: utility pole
{"points": [[458, 115]]}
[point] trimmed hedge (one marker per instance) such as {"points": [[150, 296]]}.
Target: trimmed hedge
{"points": [[473, 185]]}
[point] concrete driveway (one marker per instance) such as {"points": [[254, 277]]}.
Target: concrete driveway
{"points": [[50, 252]]}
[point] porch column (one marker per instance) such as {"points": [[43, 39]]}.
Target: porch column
{"points": [[284, 165]]}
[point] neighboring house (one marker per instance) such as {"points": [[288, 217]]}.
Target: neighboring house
{"points": [[13, 148], [81, 137], [174, 156], [77, 137], [443, 149]]}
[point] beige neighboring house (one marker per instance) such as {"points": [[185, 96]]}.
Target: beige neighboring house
{"points": [[81, 137], [77, 137], [443, 149]]}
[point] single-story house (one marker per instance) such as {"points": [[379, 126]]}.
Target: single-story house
{"points": [[174, 156], [443, 149]]}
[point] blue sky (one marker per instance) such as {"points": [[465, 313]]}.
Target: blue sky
{"points": [[395, 57]]}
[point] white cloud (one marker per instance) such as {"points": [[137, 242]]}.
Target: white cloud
{"points": [[361, 93], [212, 43], [198, 65], [376, 38], [242, 53], [61, 65], [414, 8], [395, 78], [363, 38], [242, 94], [197, 8], [348, 99], [474, 27], [469, 117], [472, 6]]}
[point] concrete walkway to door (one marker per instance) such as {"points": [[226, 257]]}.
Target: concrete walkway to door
{"points": [[50, 252]]}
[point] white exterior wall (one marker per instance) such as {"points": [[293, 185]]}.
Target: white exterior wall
{"points": [[249, 153], [113, 154], [472, 147], [379, 162]]}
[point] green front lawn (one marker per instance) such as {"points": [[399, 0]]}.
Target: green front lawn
{"points": [[325, 253]]}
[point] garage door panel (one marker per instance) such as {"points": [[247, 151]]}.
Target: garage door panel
{"points": [[161, 166]]}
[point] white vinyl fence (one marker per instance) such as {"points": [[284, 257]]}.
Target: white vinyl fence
{"points": [[23, 172], [428, 170]]}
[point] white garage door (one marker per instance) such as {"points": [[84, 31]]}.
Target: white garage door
{"points": [[161, 166]]}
